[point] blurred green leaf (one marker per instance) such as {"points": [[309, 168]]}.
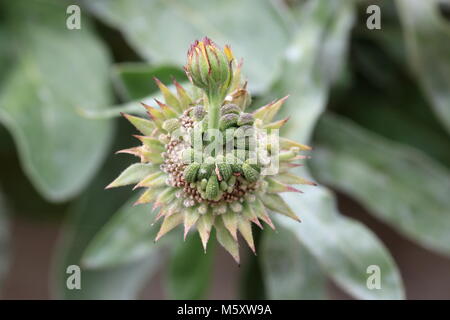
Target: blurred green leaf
{"points": [[133, 174], [190, 269], [251, 282], [324, 232], [4, 239], [132, 107], [399, 184], [128, 236], [6, 56], [57, 70], [402, 116], [147, 25], [135, 80], [427, 37], [290, 272], [113, 282], [88, 216], [383, 97], [330, 238], [313, 61]]}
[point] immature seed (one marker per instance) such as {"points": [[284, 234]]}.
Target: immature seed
{"points": [[227, 121], [205, 171], [230, 108], [225, 170], [190, 173], [171, 125], [245, 119], [212, 188], [250, 174]]}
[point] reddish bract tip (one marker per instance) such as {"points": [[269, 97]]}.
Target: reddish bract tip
{"points": [[207, 41]]}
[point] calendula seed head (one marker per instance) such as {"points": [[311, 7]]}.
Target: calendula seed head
{"points": [[198, 167]]}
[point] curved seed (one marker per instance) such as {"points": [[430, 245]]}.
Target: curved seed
{"points": [[198, 112], [212, 188], [171, 125], [227, 121], [203, 184], [223, 186], [205, 171], [245, 119], [230, 108], [190, 173], [250, 174], [225, 171]]}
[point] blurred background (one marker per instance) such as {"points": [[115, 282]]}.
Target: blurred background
{"points": [[369, 85]]}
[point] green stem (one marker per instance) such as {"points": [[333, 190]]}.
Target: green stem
{"points": [[213, 111], [214, 103]]}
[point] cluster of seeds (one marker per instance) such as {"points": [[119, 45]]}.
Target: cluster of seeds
{"points": [[186, 121], [235, 188], [206, 179]]}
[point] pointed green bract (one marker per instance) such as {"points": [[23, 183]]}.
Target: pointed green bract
{"points": [[276, 203], [167, 111], [183, 96], [286, 143], [268, 112], [245, 228], [168, 224], [291, 178], [148, 195], [249, 213], [133, 174], [204, 225], [143, 125], [152, 180], [230, 221], [276, 186], [165, 196], [226, 240], [276, 125], [152, 144], [261, 212], [169, 97], [190, 218]]}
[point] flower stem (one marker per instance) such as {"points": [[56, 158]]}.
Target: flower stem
{"points": [[213, 111], [214, 103]]}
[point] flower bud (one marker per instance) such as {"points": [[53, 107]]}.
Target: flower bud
{"points": [[209, 67]]}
